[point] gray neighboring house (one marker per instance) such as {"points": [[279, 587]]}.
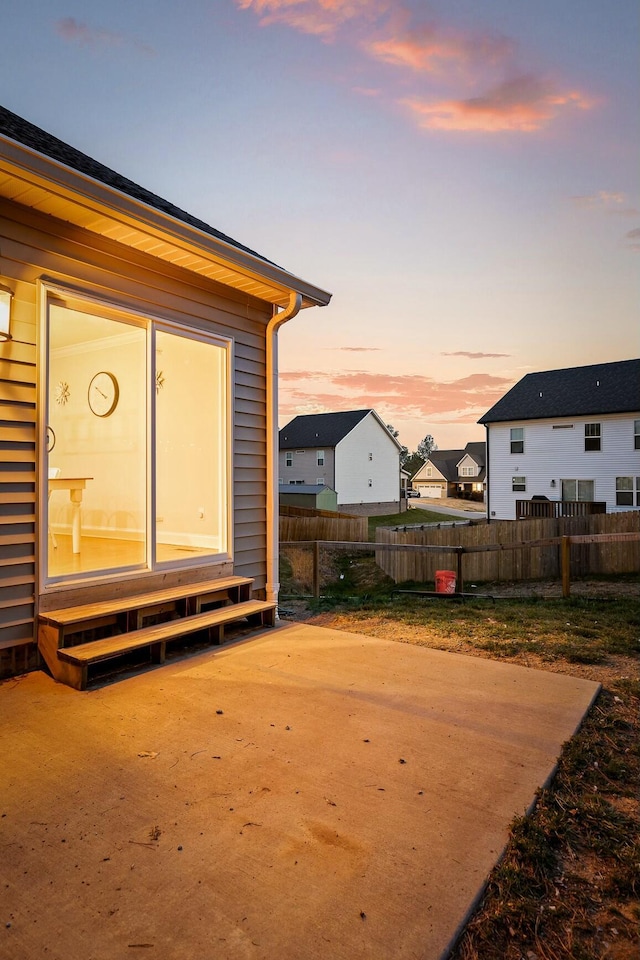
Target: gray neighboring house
{"points": [[453, 473], [350, 451], [566, 435]]}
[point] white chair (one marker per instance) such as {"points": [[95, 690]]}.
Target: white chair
{"points": [[54, 473]]}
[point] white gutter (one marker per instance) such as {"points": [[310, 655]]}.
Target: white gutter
{"points": [[273, 533]]}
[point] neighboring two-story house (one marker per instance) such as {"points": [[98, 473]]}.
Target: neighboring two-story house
{"points": [[351, 451], [453, 473], [566, 435]]}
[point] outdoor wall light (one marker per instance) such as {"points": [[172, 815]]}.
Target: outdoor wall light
{"points": [[6, 296], [553, 483]]}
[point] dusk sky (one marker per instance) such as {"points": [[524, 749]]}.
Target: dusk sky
{"points": [[461, 175]]}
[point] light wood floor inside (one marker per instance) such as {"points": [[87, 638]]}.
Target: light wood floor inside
{"points": [[108, 554]]}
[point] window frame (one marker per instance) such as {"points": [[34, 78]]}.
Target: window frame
{"points": [[636, 434], [518, 484], [516, 440], [633, 492], [592, 437]]}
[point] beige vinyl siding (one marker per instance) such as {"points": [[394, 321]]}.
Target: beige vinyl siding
{"points": [[17, 482], [34, 247]]}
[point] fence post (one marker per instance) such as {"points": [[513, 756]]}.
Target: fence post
{"points": [[459, 552], [316, 569], [565, 562]]}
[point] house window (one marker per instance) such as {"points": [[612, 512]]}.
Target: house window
{"points": [[578, 490], [320, 480], [320, 458], [288, 459], [625, 494], [636, 434], [429, 471], [370, 456], [166, 430], [518, 484], [592, 436], [517, 439], [468, 472]]}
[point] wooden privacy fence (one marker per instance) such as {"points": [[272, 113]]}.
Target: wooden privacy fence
{"points": [[436, 556], [516, 550], [324, 527]]}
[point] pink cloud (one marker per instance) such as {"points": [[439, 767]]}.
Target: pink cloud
{"points": [[429, 49], [74, 31], [407, 395], [524, 104], [474, 356], [462, 61], [608, 201], [317, 17]]}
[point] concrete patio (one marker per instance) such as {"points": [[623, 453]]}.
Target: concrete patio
{"points": [[303, 794]]}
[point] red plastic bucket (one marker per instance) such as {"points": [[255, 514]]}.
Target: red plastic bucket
{"points": [[445, 581]]}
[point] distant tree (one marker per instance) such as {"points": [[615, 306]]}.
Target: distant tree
{"points": [[412, 464], [426, 446], [404, 452]]}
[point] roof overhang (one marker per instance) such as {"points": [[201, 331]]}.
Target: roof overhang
{"points": [[35, 180]]}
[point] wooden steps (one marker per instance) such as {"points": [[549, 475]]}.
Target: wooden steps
{"points": [[62, 634]]}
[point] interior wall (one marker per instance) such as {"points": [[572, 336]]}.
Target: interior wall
{"points": [[110, 450]]}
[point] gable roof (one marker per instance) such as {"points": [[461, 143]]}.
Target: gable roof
{"points": [[572, 392], [320, 429], [477, 450], [446, 461], [38, 170]]}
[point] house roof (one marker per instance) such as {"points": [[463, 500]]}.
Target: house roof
{"points": [[597, 389], [320, 429], [38, 170], [446, 461]]}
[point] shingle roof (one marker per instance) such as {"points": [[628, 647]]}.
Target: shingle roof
{"points": [[573, 392], [16, 128], [320, 429], [478, 450]]}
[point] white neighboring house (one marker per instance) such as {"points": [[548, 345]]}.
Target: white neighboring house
{"points": [[351, 451], [566, 435]]}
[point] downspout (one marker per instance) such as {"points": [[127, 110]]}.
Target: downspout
{"points": [[290, 311], [486, 473]]}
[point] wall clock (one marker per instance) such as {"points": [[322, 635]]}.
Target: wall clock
{"points": [[103, 394]]}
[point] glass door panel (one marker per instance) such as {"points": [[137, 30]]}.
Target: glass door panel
{"points": [[191, 500], [96, 443]]}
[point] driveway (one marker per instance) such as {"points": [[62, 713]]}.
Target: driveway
{"points": [[302, 794], [465, 509]]}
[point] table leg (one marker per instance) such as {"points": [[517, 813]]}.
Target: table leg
{"points": [[76, 500]]}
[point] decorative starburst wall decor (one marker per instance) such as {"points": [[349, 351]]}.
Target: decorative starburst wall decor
{"points": [[62, 393]]}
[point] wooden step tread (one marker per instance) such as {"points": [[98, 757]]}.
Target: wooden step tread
{"points": [[98, 650], [87, 611]]}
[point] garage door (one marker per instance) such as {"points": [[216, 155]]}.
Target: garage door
{"points": [[430, 490]]}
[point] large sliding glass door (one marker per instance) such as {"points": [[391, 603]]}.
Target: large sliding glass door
{"points": [[137, 444]]}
